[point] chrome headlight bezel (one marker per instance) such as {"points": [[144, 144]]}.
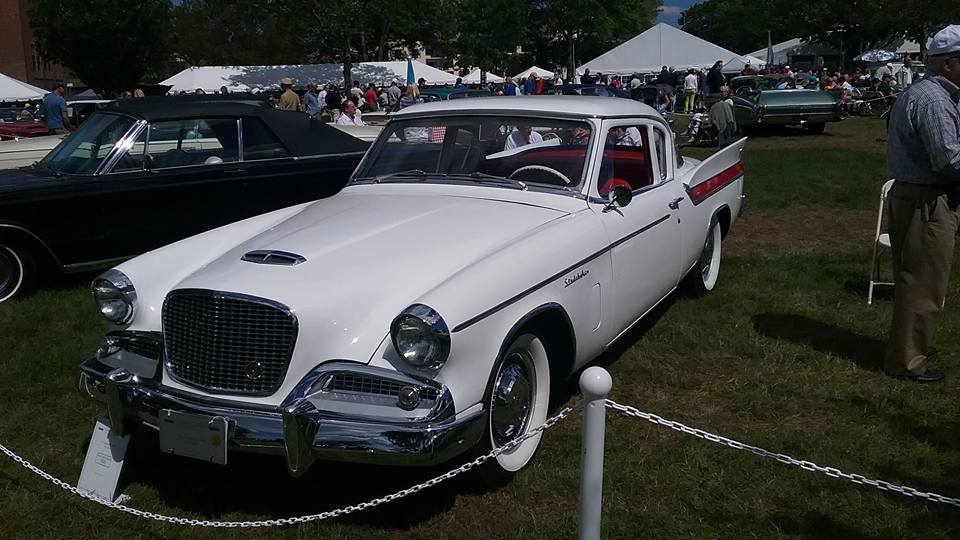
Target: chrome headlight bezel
{"points": [[431, 327], [115, 296]]}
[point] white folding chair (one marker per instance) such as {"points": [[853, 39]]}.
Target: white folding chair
{"points": [[881, 243]]}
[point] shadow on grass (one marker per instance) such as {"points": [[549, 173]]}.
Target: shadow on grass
{"points": [[259, 485], [817, 525], [865, 351]]}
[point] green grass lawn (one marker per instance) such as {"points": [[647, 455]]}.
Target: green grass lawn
{"points": [[785, 354]]}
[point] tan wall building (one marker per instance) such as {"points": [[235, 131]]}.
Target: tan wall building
{"points": [[18, 59]]}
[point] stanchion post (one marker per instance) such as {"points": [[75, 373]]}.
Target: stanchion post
{"points": [[595, 384]]}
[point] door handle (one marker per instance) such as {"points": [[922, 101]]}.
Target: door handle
{"points": [[674, 204], [235, 171]]}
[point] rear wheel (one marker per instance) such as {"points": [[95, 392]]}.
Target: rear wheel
{"points": [[517, 401], [18, 271], [703, 276]]}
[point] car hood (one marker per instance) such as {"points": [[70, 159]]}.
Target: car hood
{"points": [[25, 179], [369, 254]]}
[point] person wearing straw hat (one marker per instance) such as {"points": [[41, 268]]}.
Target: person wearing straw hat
{"points": [[289, 100], [923, 158]]}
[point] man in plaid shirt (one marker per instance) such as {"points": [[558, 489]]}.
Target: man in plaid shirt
{"points": [[923, 156]]}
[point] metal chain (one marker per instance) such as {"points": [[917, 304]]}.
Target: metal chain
{"points": [[293, 520], [782, 458]]}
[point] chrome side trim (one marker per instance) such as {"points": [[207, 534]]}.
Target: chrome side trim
{"points": [[94, 265], [29, 233], [474, 320]]}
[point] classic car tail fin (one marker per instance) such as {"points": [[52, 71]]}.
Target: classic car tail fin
{"points": [[716, 168]]}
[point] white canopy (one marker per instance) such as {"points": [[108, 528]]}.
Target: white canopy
{"points": [[662, 45], [13, 90], [247, 78], [543, 73], [474, 77], [737, 63]]}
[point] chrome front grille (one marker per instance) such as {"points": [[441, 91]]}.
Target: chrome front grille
{"points": [[364, 384], [227, 343]]}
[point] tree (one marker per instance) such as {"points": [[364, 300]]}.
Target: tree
{"points": [[225, 32], [109, 44], [740, 25], [489, 32], [587, 28]]}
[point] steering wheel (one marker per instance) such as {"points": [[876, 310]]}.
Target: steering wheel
{"points": [[541, 168], [550, 136]]}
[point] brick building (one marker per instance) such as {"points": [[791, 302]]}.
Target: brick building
{"points": [[18, 59]]}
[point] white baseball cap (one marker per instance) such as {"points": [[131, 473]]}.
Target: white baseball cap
{"points": [[945, 41]]}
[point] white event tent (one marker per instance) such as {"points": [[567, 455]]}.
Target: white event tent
{"points": [[474, 77], [248, 78], [737, 63], [14, 90], [543, 73], [662, 45]]}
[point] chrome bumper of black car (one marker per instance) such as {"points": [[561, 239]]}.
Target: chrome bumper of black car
{"points": [[302, 428]]}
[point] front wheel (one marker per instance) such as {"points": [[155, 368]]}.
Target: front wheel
{"points": [[17, 271], [703, 276], [816, 128], [516, 401]]}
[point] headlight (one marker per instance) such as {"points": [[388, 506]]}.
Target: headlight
{"points": [[420, 337], [115, 296]]}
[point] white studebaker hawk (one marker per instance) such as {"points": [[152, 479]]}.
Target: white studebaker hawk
{"points": [[484, 250]]}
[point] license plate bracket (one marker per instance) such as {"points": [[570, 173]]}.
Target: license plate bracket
{"points": [[191, 435]]}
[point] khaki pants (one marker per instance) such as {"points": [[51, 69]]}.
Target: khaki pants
{"points": [[923, 229]]}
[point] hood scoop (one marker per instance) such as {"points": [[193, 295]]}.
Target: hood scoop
{"points": [[269, 256]]}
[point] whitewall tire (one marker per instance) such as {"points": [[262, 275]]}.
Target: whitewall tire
{"points": [[17, 271], [517, 401], [704, 274]]}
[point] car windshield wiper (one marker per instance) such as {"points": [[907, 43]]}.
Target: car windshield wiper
{"points": [[395, 175], [490, 178]]}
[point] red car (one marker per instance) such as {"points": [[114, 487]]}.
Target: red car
{"points": [[13, 126]]}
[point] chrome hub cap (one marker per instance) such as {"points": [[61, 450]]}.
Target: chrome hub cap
{"points": [[9, 272], [512, 400], [706, 257]]}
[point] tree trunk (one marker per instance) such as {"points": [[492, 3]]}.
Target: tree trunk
{"points": [[347, 67], [572, 47], [363, 47], [382, 46]]}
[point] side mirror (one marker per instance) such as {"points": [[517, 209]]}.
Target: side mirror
{"points": [[147, 162], [619, 197]]}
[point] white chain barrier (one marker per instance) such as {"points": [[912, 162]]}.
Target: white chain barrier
{"points": [[782, 458], [292, 520], [625, 409]]}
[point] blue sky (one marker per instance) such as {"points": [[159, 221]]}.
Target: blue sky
{"points": [[671, 10]]}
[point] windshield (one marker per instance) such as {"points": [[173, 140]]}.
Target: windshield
{"points": [[505, 150], [84, 150]]}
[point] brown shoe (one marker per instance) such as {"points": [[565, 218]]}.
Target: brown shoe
{"points": [[929, 375]]}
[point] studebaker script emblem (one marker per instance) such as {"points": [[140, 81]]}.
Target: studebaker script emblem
{"points": [[576, 277], [253, 371]]}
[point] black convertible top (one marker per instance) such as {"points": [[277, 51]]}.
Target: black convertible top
{"points": [[302, 135]]}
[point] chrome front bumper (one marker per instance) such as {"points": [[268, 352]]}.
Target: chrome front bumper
{"points": [[296, 429]]}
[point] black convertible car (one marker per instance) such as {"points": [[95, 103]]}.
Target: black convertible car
{"points": [[147, 172]]}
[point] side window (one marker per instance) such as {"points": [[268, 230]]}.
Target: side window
{"points": [[661, 145], [259, 142], [626, 159], [185, 143]]}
